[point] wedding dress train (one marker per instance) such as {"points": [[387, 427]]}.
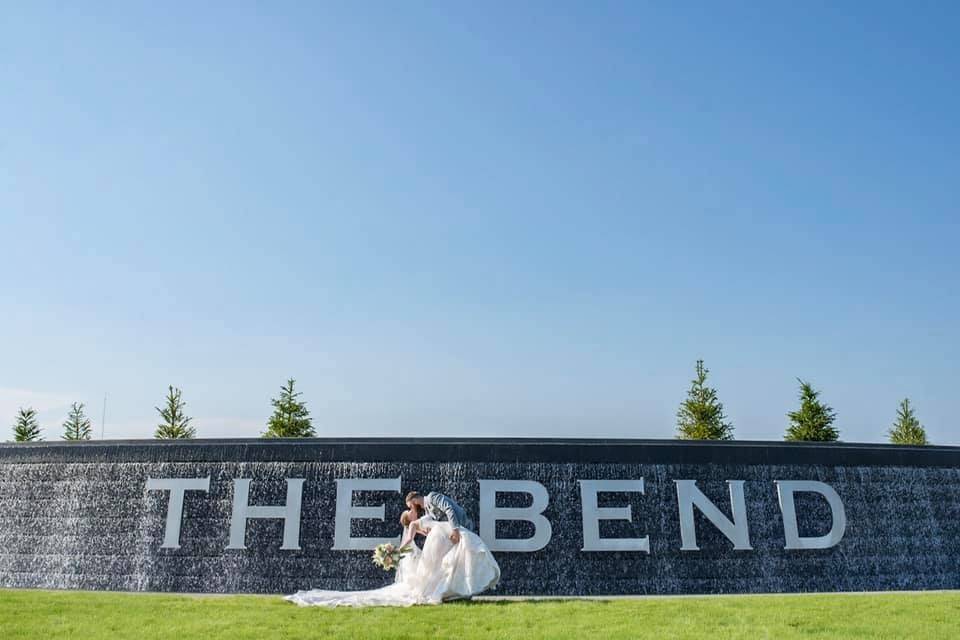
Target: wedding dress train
{"points": [[441, 571]]}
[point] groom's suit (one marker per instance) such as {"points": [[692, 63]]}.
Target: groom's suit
{"points": [[441, 507]]}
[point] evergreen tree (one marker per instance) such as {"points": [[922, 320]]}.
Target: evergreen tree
{"points": [[290, 417], [25, 426], [77, 426], [814, 420], [176, 424], [907, 428], [700, 416]]}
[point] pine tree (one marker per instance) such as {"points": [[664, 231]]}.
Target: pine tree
{"points": [[700, 416], [814, 420], [77, 426], [907, 428], [25, 426], [290, 417], [176, 424]]}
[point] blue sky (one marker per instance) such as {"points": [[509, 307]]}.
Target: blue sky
{"points": [[496, 219]]}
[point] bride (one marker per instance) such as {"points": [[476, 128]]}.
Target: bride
{"points": [[442, 571]]}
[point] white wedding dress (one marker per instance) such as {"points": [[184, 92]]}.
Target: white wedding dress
{"points": [[441, 571]]}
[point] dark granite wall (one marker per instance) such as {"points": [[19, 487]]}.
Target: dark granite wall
{"points": [[78, 516]]}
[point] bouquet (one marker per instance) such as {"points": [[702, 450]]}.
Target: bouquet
{"points": [[387, 556]]}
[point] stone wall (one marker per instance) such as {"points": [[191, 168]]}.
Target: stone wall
{"points": [[81, 516]]}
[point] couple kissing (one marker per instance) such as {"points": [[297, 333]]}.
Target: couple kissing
{"points": [[453, 563]]}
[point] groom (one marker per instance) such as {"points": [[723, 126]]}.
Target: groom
{"points": [[441, 507]]}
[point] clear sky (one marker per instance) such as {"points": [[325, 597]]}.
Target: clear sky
{"points": [[490, 219]]}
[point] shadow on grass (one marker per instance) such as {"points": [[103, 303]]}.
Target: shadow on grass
{"points": [[535, 602]]}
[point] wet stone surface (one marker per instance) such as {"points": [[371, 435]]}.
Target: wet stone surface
{"points": [[92, 524]]}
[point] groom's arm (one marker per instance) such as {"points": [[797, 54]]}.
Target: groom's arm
{"points": [[447, 505]]}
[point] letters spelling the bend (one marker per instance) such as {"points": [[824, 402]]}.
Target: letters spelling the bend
{"points": [[688, 497]]}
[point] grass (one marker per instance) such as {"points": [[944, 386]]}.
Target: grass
{"points": [[91, 616]]}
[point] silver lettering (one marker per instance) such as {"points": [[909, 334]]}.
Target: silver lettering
{"points": [[347, 511], [243, 511], [592, 514], [737, 531], [490, 514], [785, 494], [177, 488]]}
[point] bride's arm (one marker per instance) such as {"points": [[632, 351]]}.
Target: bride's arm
{"points": [[411, 532], [408, 534]]}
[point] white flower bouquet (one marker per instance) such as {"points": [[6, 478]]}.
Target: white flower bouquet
{"points": [[387, 556]]}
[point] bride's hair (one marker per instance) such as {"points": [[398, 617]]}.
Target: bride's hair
{"points": [[417, 509], [405, 519]]}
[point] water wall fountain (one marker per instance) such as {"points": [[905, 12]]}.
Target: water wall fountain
{"points": [[565, 517]]}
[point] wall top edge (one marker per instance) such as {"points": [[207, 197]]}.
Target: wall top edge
{"points": [[518, 450]]}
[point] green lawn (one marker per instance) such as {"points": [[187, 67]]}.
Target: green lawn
{"points": [[86, 615]]}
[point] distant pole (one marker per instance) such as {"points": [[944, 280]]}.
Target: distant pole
{"points": [[103, 416]]}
